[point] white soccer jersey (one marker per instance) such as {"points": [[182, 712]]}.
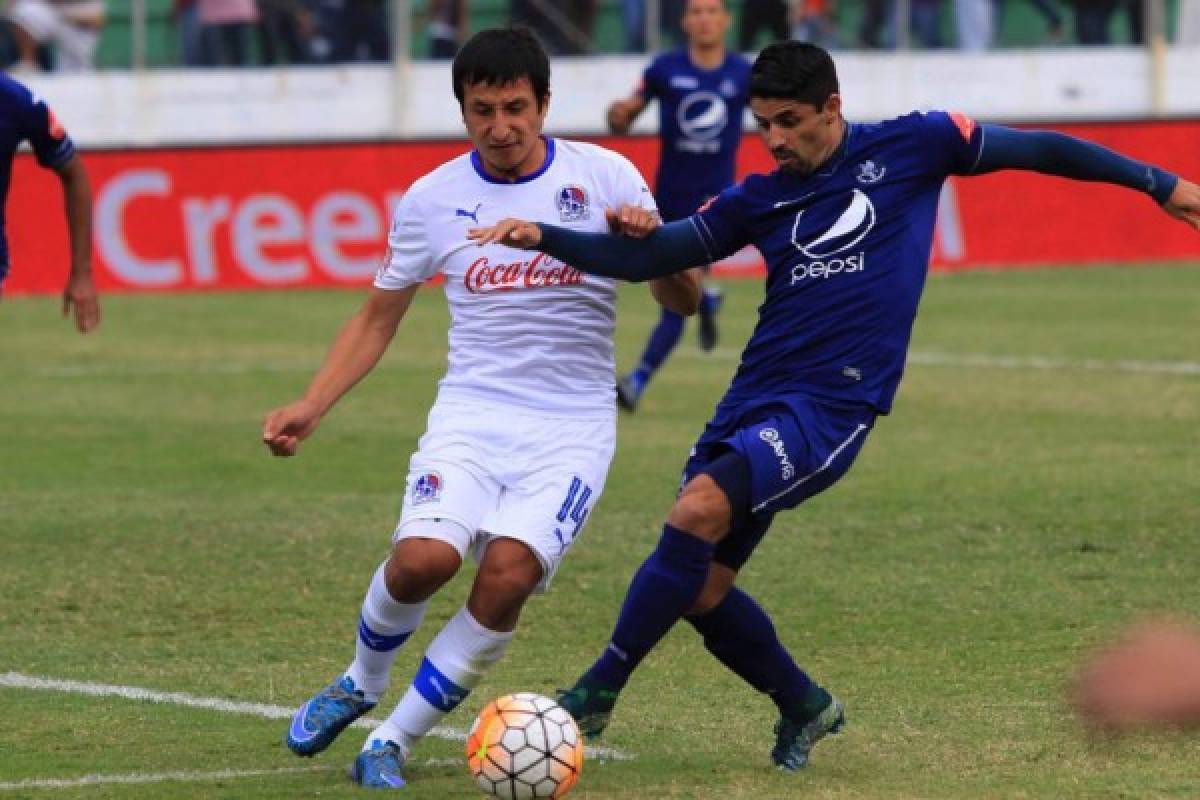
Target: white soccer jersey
{"points": [[525, 329]]}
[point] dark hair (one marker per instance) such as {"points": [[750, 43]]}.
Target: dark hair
{"points": [[794, 71], [499, 56]]}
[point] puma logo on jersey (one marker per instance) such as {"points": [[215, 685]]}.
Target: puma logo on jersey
{"points": [[472, 215]]}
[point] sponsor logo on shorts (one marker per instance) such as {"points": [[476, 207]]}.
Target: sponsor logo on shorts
{"points": [[427, 488], [775, 442]]}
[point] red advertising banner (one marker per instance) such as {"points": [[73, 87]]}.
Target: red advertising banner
{"points": [[289, 216]]}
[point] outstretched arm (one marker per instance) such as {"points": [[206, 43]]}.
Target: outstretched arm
{"points": [[358, 347], [669, 249], [80, 291], [1058, 154]]}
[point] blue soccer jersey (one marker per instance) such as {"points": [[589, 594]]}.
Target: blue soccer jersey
{"points": [[847, 250], [25, 116], [700, 115]]}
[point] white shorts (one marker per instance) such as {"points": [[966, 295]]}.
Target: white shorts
{"points": [[500, 472]]}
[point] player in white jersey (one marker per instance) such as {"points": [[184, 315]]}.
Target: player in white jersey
{"points": [[522, 432]]}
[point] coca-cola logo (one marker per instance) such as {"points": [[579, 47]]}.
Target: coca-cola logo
{"points": [[541, 271]]}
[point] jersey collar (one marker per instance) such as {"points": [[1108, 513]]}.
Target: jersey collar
{"points": [[477, 163]]}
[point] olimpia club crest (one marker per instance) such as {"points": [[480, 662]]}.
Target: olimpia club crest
{"points": [[572, 203]]}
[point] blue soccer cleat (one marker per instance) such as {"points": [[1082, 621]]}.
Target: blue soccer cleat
{"points": [[590, 704], [379, 767], [321, 719], [629, 391], [795, 740]]}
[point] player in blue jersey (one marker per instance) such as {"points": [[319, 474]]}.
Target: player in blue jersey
{"points": [[701, 92], [25, 117], [845, 226]]}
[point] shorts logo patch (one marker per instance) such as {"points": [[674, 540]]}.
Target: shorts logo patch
{"points": [[427, 489], [775, 442]]}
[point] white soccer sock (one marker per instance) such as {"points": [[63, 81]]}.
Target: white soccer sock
{"points": [[384, 626], [455, 662]]}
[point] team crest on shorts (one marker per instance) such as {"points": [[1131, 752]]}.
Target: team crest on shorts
{"points": [[427, 488], [572, 203]]}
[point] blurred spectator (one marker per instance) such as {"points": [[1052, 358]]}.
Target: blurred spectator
{"points": [[925, 19], [813, 22], [633, 23], [72, 27], [976, 22], [1188, 30], [1092, 19], [351, 31], [760, 15], [877, 28], [283, 28], [564, 27], [226, 27], [186, 16], [1135, 13], [873, 28], [447, 27], [1054, 19]]}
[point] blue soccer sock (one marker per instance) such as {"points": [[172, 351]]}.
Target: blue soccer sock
{"points": [[662, 341], [710, 300], [740, 634], [664, 588]]}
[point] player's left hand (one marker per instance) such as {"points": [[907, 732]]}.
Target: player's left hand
{"points": [[632, 221], [1184, 203], [80, 295], [509, 231]]}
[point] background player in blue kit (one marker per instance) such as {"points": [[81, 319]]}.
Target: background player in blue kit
{"points": [[25, 117], [701, 93], [845, 226]]}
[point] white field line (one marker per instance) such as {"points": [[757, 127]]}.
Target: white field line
{"points": [[153, 777], [17, 680], [920, 357], [163, 777]]}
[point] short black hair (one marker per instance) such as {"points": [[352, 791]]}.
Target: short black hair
{"points": [[794, 71], [500, 56]]}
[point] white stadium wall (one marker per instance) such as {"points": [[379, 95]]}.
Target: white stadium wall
{"points": [[170, 107]]}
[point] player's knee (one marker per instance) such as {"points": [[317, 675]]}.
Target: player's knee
{"points": [[702, 510], [716, 586], [509, 579], [418, 568]]}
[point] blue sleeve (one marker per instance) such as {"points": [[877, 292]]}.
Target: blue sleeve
{"points": [[38, 124], [1068, 157], [722, 223], [651, 85], [671, 248], [949, 143]]}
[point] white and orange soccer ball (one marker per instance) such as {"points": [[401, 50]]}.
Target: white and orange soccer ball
{"points": [[524, 746]]}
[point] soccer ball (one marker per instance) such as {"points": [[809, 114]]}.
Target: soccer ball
{"points": [[524, 746]]}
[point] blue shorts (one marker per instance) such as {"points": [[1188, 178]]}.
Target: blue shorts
{"points": [[797, 447]]}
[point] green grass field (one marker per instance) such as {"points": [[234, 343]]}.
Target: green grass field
{"points": [[1036, 487]]}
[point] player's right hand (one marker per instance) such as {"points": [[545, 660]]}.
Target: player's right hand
{"points": [[620, 117], [284, 428], [632, 221], [1184, 203], [509, 231], [80, 295]]}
